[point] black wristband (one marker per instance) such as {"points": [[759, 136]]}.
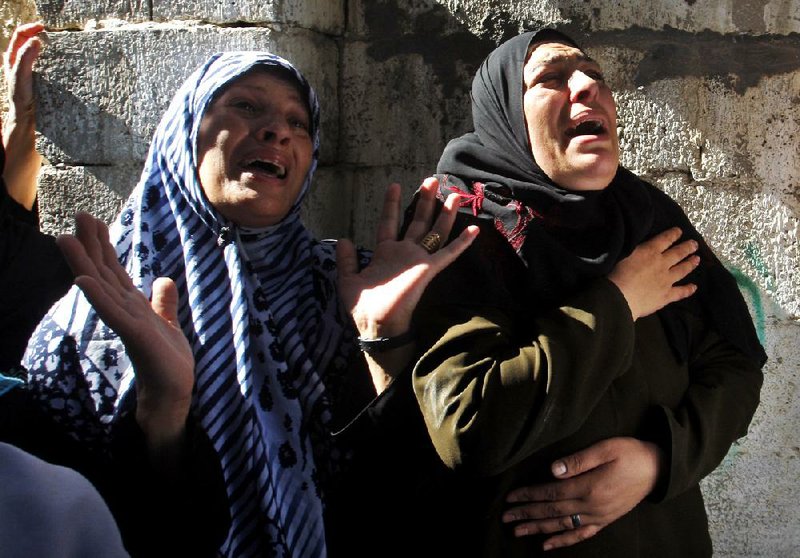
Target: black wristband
{"points": [[383, 344]]}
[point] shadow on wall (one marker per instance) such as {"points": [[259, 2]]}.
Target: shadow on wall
{"points": [[74, 138], [431, 31]]}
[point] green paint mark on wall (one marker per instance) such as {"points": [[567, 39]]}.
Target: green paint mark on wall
{"points": [[753, 256], [749, 288], [752, 295]]}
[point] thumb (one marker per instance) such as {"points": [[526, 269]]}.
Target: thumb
{"points": [[579, 462], [165, 300]]}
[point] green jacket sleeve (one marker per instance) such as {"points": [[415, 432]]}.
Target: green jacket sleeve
{"points": [[491, 396], [722, 396]]}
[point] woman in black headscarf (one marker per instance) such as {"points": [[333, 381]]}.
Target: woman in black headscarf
{"points": [[569, 352]]}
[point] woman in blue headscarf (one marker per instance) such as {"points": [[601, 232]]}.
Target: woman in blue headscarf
{"points": [[217, 212]]}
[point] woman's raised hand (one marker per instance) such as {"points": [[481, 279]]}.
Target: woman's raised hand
{"points": [[382, 296], [19, 139], [161, 355], [647, 277]]}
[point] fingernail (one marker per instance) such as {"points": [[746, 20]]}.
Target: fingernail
{"points": [[559, 468], [547, 546], [508, 517]]}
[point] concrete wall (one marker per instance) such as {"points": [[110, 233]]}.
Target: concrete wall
{"points": [[709, 103]]}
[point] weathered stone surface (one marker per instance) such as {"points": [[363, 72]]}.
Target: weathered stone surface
{"points": [[328, 207], [102, 93], [99, 190], [369, 186], [320, 15], [702, 127], [723, 16], [12, 13], [76, 14], [737, 62], [752, 497], [376, 18], [397, 111]]}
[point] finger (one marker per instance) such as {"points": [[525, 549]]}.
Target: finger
{"points": [[544, 526], [679, 252], [541, 510], [116, 273], [21, 34], [683, 268], [569, 538], [547, 492], [680, 292], [447, 255], [389, 221], [346, 258], [423, 213], [105, 268], [87, 274], [93, 234], [165, 300], [582, 461], [663, 240], [105, 302], [26, 57], [86, 232], [447, 216], [75, 254]]}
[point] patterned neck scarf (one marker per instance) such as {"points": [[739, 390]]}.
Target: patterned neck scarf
{"points": [[260, 309], [565, 238]]}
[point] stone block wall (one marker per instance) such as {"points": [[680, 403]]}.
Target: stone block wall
{"points": [[709, 108]]}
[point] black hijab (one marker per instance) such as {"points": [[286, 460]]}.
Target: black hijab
{"points": [[565, 238]]}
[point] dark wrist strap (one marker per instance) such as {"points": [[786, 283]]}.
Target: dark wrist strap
{"points": [[383, 344]]}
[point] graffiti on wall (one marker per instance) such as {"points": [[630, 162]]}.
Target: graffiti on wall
{"points": [[752, 294], [750, 289]]}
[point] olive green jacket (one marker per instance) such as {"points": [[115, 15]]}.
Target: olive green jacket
{"points": [[505, 389]]}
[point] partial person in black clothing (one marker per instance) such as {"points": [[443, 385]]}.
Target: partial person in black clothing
{"points": [[45, 510], [33, 272]]}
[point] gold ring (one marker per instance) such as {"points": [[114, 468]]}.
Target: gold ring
{"points": [[431, 242]]}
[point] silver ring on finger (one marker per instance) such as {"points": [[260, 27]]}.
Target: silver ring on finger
{"points": [[576, 520], [431, 242]]}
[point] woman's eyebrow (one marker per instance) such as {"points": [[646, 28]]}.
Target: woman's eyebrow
{"points": [[557, 58], [260, 90]]}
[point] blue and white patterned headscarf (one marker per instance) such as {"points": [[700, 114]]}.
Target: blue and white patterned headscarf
{"points": [[260, 310]]}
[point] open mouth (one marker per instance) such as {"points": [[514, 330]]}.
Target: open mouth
{"points": [[587, 128], [266, 167]]}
